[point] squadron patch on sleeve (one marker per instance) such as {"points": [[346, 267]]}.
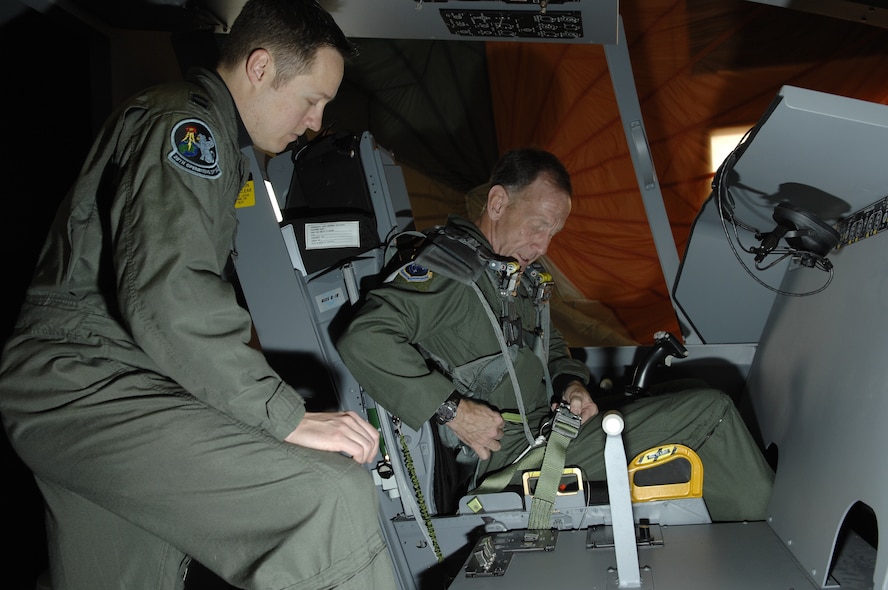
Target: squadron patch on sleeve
{"points": [[414, 273], [194, 149]]}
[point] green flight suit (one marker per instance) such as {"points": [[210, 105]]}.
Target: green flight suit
{"points": [[155, 432], [445, 318]]}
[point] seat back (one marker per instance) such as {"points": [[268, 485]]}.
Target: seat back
{"points": [[300, 296]]}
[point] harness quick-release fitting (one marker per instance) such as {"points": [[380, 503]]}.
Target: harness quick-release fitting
{"points": [[509, 273], [542, 282], [564, 423]]}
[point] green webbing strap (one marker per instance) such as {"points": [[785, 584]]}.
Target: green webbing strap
{"points": [[541, 346], [498, 480], [565, 428], [548, 457]]}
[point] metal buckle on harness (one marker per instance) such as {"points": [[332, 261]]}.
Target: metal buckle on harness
{"points": [[564, 422], [543, 284], [509, 273]]}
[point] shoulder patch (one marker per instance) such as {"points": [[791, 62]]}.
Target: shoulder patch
{"points": [[194, 149], [414, 273]]}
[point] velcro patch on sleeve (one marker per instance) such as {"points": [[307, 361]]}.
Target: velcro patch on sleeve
{"points": [[194, 149], [414, 273]]}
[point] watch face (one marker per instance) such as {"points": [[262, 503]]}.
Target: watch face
{"points": [[446, 412]]}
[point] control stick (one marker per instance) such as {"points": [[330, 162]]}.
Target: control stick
{"points": [[666, 347]]}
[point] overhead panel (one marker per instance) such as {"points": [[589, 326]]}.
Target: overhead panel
{"points": [[555, 21], [552, 21]]}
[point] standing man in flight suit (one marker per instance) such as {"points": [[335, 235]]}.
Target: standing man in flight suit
{"points": [[424, 346], [155, 432]]}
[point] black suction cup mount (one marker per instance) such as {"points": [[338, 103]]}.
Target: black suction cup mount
{"points": [[806, 234]]}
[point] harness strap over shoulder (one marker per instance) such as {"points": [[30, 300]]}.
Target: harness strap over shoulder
{"points": [[455, 255], [443, 249], [509, 365]]}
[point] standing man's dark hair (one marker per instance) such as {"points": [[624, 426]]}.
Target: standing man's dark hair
{"points": [[291, 31], [156, 433]]}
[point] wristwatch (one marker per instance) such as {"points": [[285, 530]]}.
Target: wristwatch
{"points": [[447, 410]]}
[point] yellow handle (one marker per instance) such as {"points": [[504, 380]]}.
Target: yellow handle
{"points": [[654, 466]]}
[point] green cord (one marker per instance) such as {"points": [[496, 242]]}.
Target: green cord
{"points": [[420, 498]]}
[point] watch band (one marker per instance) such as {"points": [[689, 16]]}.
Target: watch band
{"points": [[446, 412]]}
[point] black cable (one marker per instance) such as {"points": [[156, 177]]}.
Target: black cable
{"points": [[725, 199]]}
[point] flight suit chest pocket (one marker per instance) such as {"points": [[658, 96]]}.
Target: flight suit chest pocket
{"points": [[478, 378]]}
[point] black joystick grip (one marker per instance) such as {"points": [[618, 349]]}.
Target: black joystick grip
{"points": [[666, 347]]}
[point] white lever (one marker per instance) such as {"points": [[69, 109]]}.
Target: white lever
{"points": [[625, 544]]}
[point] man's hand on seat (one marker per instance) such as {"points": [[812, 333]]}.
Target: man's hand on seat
{"points": [[345, 432], [478, 426]]}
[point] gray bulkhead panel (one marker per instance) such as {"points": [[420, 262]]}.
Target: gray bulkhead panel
{"points": [[821, 152], [820, 389], [818, 380]]}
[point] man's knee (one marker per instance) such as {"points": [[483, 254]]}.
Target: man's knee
{"points": [[359, 488], [707, 400]]}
